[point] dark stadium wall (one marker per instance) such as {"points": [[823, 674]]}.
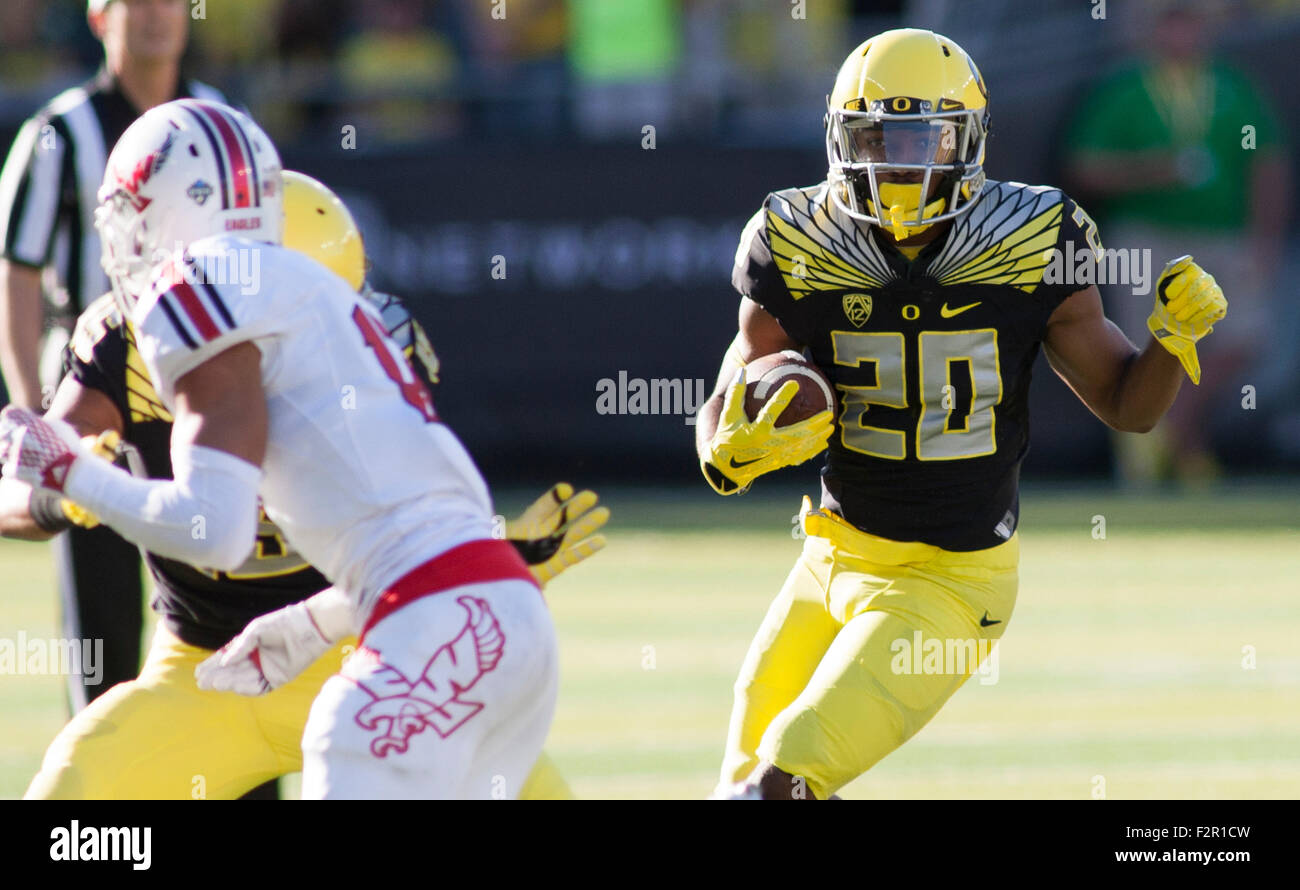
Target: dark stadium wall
{"points": [[611, 293]]}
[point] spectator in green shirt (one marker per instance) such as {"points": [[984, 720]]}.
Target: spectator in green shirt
{"points": [[1179, 153], [623, 56]]}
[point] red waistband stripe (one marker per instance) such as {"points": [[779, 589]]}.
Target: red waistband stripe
{"points": [[476, 562]]}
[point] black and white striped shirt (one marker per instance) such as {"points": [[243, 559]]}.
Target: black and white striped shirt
{"points": [[49, 183]]}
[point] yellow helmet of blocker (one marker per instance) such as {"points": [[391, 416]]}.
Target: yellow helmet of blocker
{"points": [[319, 224], [905, 130]]}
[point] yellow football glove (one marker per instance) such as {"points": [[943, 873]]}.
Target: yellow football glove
{"points": [[104, 445], [741, 450], [558, 531], [1188, 303]]}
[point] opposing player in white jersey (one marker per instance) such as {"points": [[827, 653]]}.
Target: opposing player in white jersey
{"points": [[283, 382]]}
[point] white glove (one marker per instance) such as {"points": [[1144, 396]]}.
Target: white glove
{"points": [[278, 646], [37, 451]]}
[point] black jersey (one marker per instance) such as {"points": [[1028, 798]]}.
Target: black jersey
{"points": [[206, 608], [930, 357]]}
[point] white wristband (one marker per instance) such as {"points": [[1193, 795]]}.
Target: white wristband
{"points": [[332, 611]]}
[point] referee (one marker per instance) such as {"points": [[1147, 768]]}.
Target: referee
{"points": [[50, 271]]}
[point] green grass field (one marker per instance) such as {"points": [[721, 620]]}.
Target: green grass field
{"points": [[1124, 658]]}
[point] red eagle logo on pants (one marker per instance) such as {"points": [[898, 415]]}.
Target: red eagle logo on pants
{"points": [[403, 708]]}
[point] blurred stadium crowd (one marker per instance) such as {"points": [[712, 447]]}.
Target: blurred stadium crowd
{"points": [[420, 70]]}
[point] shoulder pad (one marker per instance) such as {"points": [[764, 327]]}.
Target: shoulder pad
{"points": [[195, 307], [93, 325], [217, 296], [393, 311], [1005, 238], [816, 249], [406, 332]]}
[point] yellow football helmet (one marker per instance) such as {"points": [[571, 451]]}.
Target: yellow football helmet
{"points": [[908, 111], [320, 225]]}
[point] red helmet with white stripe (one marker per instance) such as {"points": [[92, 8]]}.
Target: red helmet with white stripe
{"points": [[183, 171]]}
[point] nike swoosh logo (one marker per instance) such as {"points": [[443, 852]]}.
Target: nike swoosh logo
{"points": [[737, 464], [949, 313], [984, 622]]}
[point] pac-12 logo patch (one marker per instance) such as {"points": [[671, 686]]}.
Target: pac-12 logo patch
{"points": [[857, 308], [199, 192]]}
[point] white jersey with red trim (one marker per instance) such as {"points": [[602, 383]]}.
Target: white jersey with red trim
{"points": [[360, 475]]}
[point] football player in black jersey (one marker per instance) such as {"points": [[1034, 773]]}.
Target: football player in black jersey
{"points": [[923, 291], [159, 736]]}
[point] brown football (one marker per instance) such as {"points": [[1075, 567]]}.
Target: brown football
{"points": [[764, 376]]}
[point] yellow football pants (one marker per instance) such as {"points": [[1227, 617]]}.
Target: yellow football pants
{"points": [[159, 737], [865, 642]]}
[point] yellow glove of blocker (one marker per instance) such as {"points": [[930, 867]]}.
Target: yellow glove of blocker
{"points": [[558, 531], [1188, 303]]}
